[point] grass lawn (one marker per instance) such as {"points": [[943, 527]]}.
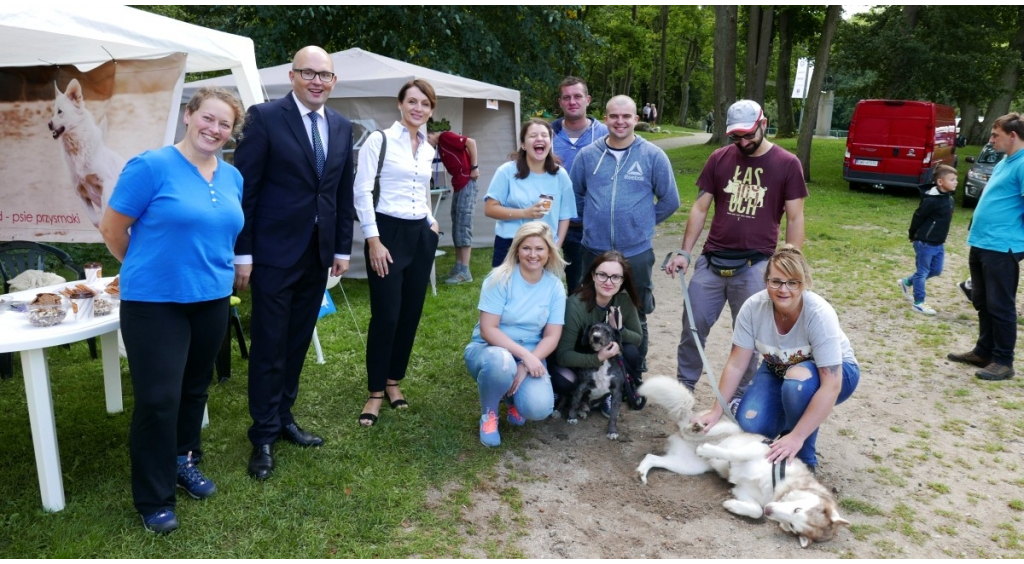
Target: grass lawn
{"points": [[391, 491]]}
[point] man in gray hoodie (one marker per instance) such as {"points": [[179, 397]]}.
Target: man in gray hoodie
{"points": [[624, 187]]}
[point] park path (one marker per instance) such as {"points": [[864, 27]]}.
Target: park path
{"points": [[674, 142]]}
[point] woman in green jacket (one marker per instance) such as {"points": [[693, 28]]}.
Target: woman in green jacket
{"points": [[606, 294]]}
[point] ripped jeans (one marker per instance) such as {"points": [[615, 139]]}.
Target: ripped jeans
{"points": [[494, 368], [774, 405]]}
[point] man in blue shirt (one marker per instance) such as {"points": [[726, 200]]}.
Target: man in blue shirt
{"points": [[997, 247], [574, 131]]}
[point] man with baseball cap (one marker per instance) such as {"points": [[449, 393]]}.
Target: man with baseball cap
{"points": [[751, 182]]}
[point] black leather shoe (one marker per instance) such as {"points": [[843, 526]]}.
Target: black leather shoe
{"points": [[261, 461], [294, 434]]}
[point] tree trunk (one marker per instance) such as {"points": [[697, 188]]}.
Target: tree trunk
{"points": [[759, 41], [660, 94], [764, 53], [1008, 80], [784, 78], [969, 121], [689, 64], [724, 67], [803, 147], [753, 28]]}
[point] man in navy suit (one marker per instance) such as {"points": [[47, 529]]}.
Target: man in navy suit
{"points": [[296, 158]]}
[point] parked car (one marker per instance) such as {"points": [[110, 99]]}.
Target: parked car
{"points": [[978, 175], [898, 143]]}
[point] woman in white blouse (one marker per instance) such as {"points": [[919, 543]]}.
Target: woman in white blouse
{"points": [[401, 236]]}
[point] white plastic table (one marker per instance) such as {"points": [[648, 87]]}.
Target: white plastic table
{"points": [[18, 335]]}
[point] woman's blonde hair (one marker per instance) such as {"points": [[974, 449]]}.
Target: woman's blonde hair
{"points": [[556, 264], [207, 92], [791, 262]]}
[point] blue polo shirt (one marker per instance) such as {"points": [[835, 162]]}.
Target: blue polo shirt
{"points": [[182, 243], [998, 223]]}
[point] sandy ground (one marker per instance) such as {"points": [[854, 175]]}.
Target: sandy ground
{"points": [[926, 455]]}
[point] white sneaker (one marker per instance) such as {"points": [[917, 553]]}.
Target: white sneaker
{"points": [[908, 291], [923, 308]]}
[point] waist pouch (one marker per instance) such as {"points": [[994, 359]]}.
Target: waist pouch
{"points": [[730, 263]]}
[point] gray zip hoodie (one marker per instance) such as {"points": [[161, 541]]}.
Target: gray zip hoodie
{"points": [[621, 200]]}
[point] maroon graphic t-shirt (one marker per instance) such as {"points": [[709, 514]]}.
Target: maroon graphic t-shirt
{"points": [[750, 196]]}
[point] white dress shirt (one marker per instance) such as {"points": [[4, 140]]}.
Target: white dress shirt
{"points": [[404, 179]]}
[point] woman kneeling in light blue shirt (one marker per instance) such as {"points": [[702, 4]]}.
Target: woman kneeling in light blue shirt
{"points": [[522, 310]]}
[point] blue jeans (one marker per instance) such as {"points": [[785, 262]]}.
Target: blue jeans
{"points": [[494, 368], [774, 405], [930, 259]]}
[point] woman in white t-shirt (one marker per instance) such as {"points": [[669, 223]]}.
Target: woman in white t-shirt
{"points": [[808, 365], [522, 310]]}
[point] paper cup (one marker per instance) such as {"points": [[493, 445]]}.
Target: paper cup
{"points": [[93, 272], [546, 200], [82, 307]]}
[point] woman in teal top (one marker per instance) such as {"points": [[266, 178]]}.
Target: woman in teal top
{"points": [[522, 308], [606, 295], [514, 195], [172, 221]]}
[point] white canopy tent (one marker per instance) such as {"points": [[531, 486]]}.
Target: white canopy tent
{"points": [[86, 35], [367, 94]]}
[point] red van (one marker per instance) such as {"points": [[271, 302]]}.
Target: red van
{"points": [[897, 143]]}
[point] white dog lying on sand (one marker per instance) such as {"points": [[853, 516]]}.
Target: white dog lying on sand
{"points": [[796, 501]]}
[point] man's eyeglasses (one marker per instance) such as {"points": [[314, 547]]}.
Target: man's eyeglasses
{"points": [[775, 284], [748, 137], [310, 74], [604, 277]]}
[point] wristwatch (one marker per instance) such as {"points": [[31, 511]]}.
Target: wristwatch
{"points": [[474, 167]]}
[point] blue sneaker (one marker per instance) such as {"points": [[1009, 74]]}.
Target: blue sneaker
{"points": [[514, 417], [489, 430], [162, 521], [192, 480]]}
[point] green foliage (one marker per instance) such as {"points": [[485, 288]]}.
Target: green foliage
{"points": [[522, 47]]}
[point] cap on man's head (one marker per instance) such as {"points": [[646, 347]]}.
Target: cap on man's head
{"points": [[743, 117]]}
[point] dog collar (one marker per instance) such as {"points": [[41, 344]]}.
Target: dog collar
{"points": [[778, 468]]}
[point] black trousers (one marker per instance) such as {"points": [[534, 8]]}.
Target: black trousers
{"points": [[396, 300], [995, 276], [285, 306], [171, 348]]}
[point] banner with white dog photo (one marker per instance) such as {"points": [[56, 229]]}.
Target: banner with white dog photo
{"points": [[65, 134]]}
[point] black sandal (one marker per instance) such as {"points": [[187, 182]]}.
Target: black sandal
{"points": [[369, 419], [399, 403]]}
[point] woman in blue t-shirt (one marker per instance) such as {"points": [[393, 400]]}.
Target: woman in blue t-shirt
{"points": [[532, 187], [522, 309], [183, 206]]}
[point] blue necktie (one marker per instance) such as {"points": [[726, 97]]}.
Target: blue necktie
{"points": [[318, 146]]}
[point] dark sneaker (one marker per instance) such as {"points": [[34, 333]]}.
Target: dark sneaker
{"points": [[160, 522], [995, 372], [192, 480], [969, 357], [967, 291]]}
